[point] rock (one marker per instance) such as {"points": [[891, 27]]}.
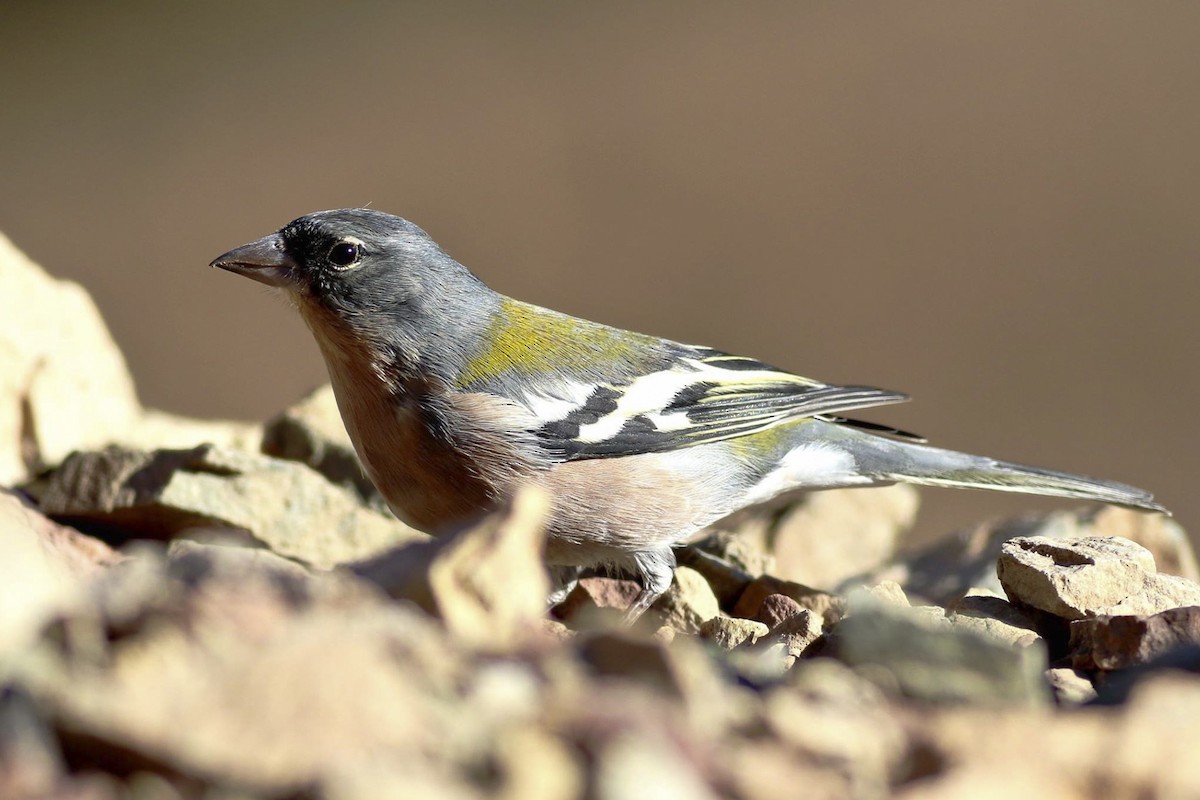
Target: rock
{"points": [[888, 592], [487, 582], [742, 541], [1158, 533], [945, 569], [597, 600], [730, 632], [275, 580], [759, 768], [163, 493], [202, 589], [1153, 743], [43, 569], [750, 603], [688, 604], [798, 635], [635, 767], [1143, 749], [534, 765], [1118, 642], [556, 631], [160, 430], [244, 699], [31, 762], [617, 653], [994, 617], [63, 383], [726, 579], [1070, 686], [839, 725], [665, 634], [382, 779], [311, 432], [922, 655], [776, 609], [79, 554], [1078, 578], [811, 543]]}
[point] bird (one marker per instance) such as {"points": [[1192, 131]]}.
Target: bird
{"points": [[455, 396]]}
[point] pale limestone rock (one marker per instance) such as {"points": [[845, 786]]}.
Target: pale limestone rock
{"points": [[311, 431], [1070, 686], [687, 604], [161, 430], [919, 653], [813, 543], [43, 569], [1079, 578], [943, 570], [63, 383], [282, 504], [487, 582], [994, 617], [730, 632]]}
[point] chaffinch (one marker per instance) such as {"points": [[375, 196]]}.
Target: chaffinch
{"points": [[454, 394]]}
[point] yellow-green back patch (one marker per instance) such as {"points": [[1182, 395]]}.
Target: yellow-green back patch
{"points": [[524, 338]]}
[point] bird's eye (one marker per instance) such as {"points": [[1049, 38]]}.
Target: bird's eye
{"points": [[344, 254]]}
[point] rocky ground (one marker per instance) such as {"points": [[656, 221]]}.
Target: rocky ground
{"points": [[207, 609]]}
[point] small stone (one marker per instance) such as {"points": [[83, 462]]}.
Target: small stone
{"points": [[617, 652], [665, 634], [726, 579], [1079, 578], [1118, 642], [688, 604], [889, 592], [758, 768], [1070, 686], [777, 609], [80, 554], [798, 634], [741, 541], [829, 606], [534, 765], [556, 631], [730, 632], [595, 594]]}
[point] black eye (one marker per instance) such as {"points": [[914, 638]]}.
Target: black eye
{"points": [[343, 254]]}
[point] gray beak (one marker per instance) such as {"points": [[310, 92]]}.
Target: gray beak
{"points": [[264, 261]]}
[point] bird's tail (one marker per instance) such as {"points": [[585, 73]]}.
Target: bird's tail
{"points": [[888, 460]]}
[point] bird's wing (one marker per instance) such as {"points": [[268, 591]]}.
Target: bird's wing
{"points": [[700, 396]]}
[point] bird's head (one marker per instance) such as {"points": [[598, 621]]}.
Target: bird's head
{"points": [[366, 281], [347, 261]]}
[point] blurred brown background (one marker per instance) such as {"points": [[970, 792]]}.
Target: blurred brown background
{"points": [[991, 206]]}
